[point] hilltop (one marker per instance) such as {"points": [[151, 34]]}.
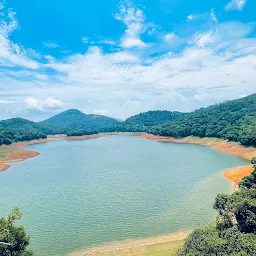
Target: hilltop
{"points": [[233, 120], [74, 119]]}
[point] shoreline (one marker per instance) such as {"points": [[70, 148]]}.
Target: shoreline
{"points": [[132, 244], [84, 137], [125, 133], [16, 152], [233, 175]]}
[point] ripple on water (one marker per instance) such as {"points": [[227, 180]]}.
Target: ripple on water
{"points": [[81, 194]]}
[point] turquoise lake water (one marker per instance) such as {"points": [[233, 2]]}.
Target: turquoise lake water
{"points": [[81, 194]]}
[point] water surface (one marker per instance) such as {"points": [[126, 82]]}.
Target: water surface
{"points": [[80, 194]]}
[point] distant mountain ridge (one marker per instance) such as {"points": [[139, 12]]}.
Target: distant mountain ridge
{"points": [[74, 119], [233, 120]]}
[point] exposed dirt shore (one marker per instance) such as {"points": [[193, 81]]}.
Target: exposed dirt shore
{"points": [[126, 245], [126, 133], [85, 137], [57, 136], [234, 175], [16, 153]]}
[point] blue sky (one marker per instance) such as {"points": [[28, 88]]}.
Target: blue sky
{"points": [[120, 58]]}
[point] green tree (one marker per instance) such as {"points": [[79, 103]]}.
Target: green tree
{"points": [[13, 239], [235, 230]]}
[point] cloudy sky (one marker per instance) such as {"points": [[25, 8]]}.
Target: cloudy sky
{"points": [[120, 58]]}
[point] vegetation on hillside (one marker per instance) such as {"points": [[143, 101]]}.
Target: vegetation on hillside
{"points": [[13, 239], [82, 133], [235, 230], [73, 119], [18, 129], [232, 120], [151, 118]]}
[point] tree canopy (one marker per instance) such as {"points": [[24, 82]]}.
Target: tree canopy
{"points": [[18, 129], [235, 230], [13, 239], [233, 120]]}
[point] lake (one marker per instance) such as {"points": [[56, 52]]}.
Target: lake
{"points": [[81, 194]]}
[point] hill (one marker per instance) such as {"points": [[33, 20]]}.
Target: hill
{"points": [[19, 129], [152, 118], [234, 120], [74, 119]]}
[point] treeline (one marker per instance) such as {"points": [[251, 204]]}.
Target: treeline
{"points": [[235, 230], [233, 120], [151, 118], [18, 129], [9, 136], [81, 133]]}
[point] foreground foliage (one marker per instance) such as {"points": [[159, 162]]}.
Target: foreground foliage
{"points": [[13, 239], [235, 231]]}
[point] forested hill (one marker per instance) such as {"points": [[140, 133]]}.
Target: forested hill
{"points": [[234, 120], [152, 118], [74, 119], [19, 129]]}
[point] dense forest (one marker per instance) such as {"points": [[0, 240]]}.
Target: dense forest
{"points": [[235, 230], [82, 132], [18, 129], [151, 118], [74, 119], [233, 120]]}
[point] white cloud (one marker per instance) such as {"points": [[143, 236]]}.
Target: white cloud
{"points": [[130, 42], [103, 112], [134, 20], [6, 102], [202, 40], [51, 45], [110, 42], [85, 40], [218, 63], [213, 16], [12, 54], [169, 37], [235, 5], [65, 51], [190, 17], [123, 57], [47, 104]]}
